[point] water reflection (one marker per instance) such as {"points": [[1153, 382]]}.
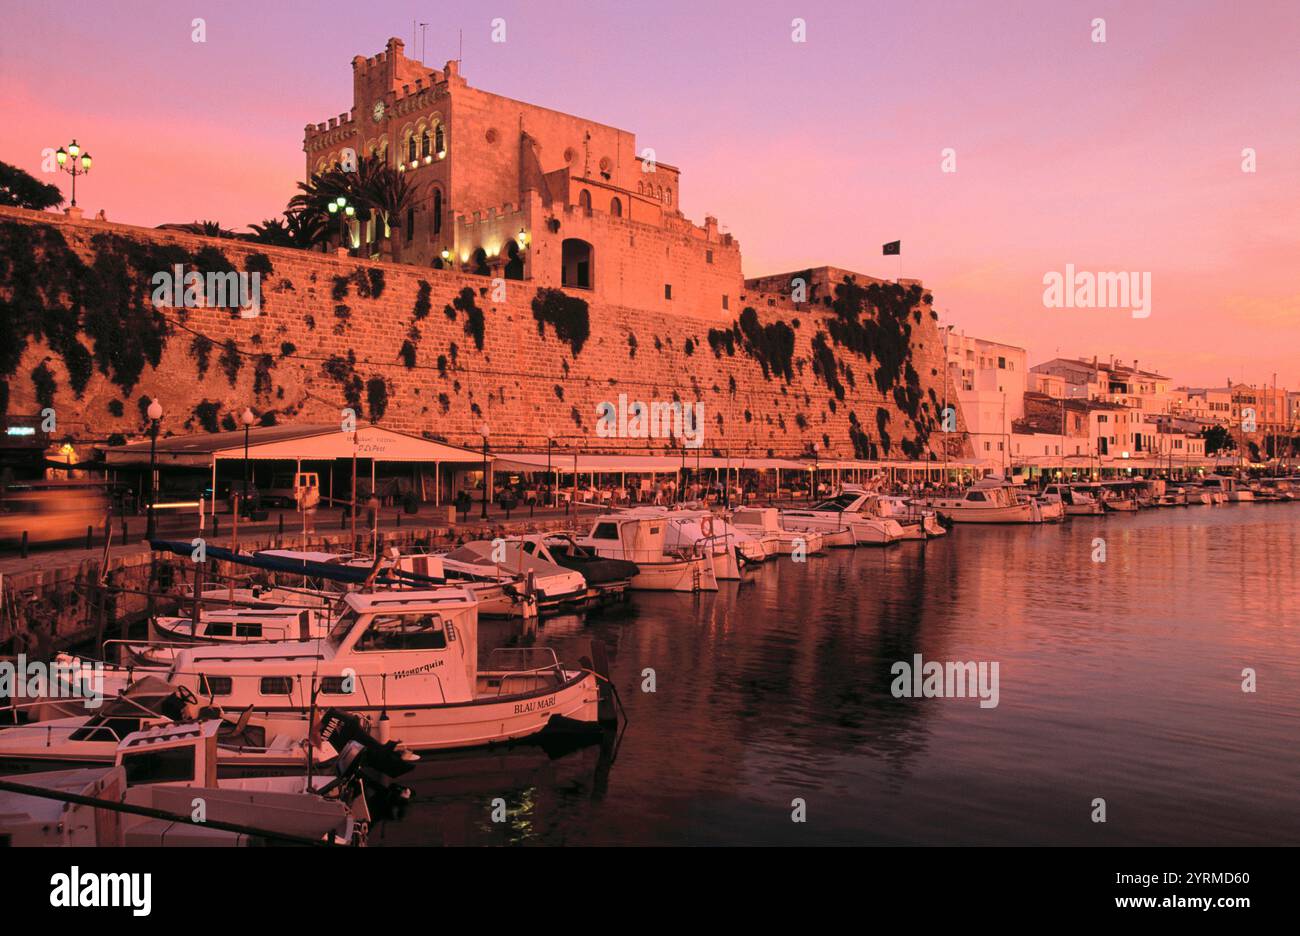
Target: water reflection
{"points": [[1119, 679]]}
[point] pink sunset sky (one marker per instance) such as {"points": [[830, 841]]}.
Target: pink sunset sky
{"points": [[1122, 156]]}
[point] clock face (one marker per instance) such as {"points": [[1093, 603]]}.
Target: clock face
{"points": [[378, 111]]}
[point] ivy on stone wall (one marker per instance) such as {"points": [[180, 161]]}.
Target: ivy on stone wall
{"points": [[825, 366], [231, 360], [258, 263], [422, 303], [722, 339], [567, 314], [55, 296], [262, 375], [377, 397], [44, 384], [201, 351], [206, 413], [772, 345]]}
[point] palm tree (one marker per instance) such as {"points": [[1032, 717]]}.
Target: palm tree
{"points": [[305, 229], [272, 231], [389, 194], [373, 188]]}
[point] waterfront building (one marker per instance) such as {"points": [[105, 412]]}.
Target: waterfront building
{"points": [[1112, 382], [990, 379], [518, 191]]}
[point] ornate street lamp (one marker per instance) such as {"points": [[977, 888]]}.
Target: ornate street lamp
{"points": [[345, 212], [484, 431], [74, 162], [154, 413]]}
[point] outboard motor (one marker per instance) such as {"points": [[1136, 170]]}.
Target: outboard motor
{"points": [[363, 757]]}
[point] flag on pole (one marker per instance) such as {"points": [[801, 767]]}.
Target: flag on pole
{"points": [[894, 247]]}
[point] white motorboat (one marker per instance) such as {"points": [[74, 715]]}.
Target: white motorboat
{"points": [[1074, 499], [846, 511], [641, 539], [606, 578], [1231, 488], [918, 522], [987, 501], [697, 530], [765, 523], [408, 662], [247, 743], [552, 586], [173, 768]]}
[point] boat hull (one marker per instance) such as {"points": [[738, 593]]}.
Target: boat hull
{"points": [[684, 576], [1017, 513], [486, 721]]}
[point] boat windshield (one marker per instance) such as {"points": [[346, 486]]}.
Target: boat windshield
{"points": [[843, 502], [342, 626]]}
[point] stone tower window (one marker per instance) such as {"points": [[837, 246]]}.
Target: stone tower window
{"points": [[424, 144], [616, 207], [410, 148], [584, 202], [437, 212], [440, 141]]}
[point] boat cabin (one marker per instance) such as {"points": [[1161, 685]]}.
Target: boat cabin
{"points": [[385, 648]]}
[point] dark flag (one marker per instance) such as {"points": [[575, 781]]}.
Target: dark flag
{"points": [[893, 248]]}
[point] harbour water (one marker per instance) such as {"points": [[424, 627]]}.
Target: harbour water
{"points": [[1119, 680]]}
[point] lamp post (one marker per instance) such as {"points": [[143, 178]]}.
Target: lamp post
{"points": [[74, 162], [340, 207], [483, 430], [812, 490], [247, 418], [155, 413], [550, 477]]}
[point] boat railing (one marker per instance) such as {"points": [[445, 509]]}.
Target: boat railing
{"points": [[512, 664]]}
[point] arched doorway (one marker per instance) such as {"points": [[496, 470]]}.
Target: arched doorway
{"points": [[578, 268]]}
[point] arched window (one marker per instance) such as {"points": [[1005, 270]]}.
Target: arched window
{"points": [[410, 224], [439, 140], [616, 207], [584, 202], [480, 259], [424, 144], [437, 212], [410, 148], [668, 196]]}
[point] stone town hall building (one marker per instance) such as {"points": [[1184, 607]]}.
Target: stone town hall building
{"points": [[524, 192]]}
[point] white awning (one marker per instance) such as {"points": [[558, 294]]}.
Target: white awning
{"points": [[293, 443]]}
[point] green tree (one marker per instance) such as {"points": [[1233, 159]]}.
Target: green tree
{"points": [[18, 189], [1217, 439]]}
